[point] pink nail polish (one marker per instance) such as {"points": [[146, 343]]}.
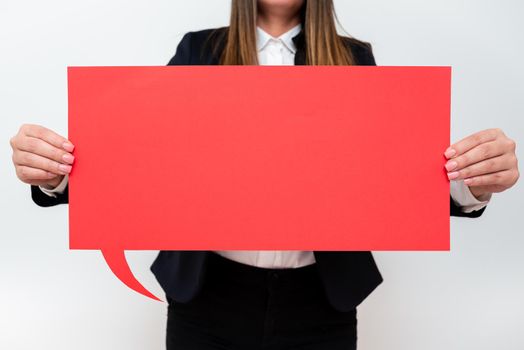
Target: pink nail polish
{"points": [[68, 158], [450, 152], [453, 175], [64, 168], [68, 146], [451, 165]]}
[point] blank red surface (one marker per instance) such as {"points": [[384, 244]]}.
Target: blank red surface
{"points": [[216, 158]]}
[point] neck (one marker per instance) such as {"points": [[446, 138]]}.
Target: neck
{"points": [[276, 23]]}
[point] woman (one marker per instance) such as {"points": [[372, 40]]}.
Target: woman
{"points": [[275, 299]]}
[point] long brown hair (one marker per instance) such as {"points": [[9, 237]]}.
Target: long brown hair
{"points": [[323, 46]]}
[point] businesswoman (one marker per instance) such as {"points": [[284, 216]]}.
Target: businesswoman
{"points": [[271, 299]]}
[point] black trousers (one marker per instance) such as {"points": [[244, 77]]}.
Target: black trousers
{"points": [[245, 307]]}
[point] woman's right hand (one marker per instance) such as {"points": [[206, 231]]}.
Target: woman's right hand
{"points": [[40, 156]]}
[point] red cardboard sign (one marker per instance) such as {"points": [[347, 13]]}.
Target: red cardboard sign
{"points": [[257, 157]]}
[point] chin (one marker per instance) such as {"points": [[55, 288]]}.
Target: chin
{"points": [[284, 4]]}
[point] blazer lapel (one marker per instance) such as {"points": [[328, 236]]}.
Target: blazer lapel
{"points": [[300, 43]]}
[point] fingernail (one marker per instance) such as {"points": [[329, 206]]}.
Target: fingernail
{"points": [[64, 168], [450, 152], [68, 146], [451, 165], [68, 158], [468, 181], [453, 175], [50, 175]]}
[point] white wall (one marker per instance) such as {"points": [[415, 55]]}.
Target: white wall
{"points": [[51, 297]]}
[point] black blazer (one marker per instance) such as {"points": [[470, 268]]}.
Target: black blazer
{"points": [[348, 277]]}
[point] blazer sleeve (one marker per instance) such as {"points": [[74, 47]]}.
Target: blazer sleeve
{"points": [[43, 200], [455, 210]]}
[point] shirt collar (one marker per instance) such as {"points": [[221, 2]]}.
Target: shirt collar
{"points": [[287, 38]]}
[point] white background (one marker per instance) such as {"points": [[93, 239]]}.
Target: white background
{"points": [[53, 298]]}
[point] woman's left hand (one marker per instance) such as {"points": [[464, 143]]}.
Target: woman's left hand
{"points": [[486, 161]]}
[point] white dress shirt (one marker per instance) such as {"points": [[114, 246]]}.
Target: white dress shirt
{"points": [[281, 52]]}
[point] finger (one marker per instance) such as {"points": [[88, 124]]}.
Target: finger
{"points": [[488, 166], [44, 149], [471, 141], [500, 178], [35, 161], [48, 136], [477, 154], [31, 175]]}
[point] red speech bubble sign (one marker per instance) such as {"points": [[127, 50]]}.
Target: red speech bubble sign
{"points": [[278, 158]]}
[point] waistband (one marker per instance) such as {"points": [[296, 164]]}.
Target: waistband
{"points": [[226, 266]]}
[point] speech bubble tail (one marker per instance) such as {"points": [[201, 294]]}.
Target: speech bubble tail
{"points": [[117, 262]]}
